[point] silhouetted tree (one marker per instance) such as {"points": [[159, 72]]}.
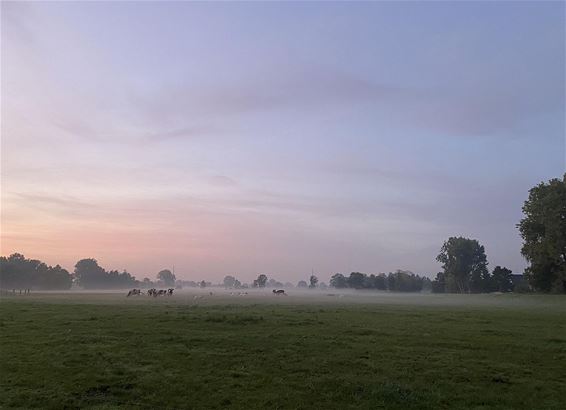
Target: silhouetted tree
{"points": [[338, 281], [261, 281], [16, 271], [229, 281], [302, 284], [313, 281], [501, 279], [543, 230], [356, 280], [462, 259], [167, 277], [380, 282], [89, 275], [439, 283], [404, 281]]}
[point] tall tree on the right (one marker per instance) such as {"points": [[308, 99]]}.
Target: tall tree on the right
{"points": [[543, 229]]}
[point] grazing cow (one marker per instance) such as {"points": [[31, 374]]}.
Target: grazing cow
{"points": [[279, 292], [134, 292], [170, 292], [161, 292]]}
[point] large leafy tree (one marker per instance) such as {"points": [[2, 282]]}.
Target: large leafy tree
{"points": [[89, 274], [543, 229], [229, 281], [464, 263], [313, 281], [261, 280], [356, 280], [167, 277], [501, 279], [338, 281]]}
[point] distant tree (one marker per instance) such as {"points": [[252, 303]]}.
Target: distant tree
{"points": [[501, 279], [338, 281], [480, 281], [202, 284], [323, 286], [380, 282], [272, 283], [261, 281], [229, 281], [462, 259], [356, 280], [302, 284], [404, 281], [439, 283], [543, 230], [167, 277], [16, 271], [89, 275], [237, 284], [427, 285], [54, 278], [313, 281]]}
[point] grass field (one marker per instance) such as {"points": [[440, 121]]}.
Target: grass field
{"points": [[260, 351]]}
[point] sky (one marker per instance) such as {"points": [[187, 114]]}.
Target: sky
{"points": [[279, 138]]}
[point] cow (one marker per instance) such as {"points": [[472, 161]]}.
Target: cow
{"points": [[170, 292], [134, 292], [279, 292]]}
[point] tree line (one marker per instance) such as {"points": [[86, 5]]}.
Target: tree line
{"points": [[398, 281], [262, 281], [464, 263], [18, 272]]}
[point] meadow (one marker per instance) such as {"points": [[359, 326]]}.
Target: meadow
{"points": [[391, 351]]}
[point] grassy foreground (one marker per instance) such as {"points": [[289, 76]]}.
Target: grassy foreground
{"points": [[58, 353]]}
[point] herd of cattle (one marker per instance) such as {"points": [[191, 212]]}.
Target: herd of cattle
{"points": [[152, 292], [169, 292]]}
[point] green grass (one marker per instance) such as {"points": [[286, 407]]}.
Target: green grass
{"points": [[107, 352]]}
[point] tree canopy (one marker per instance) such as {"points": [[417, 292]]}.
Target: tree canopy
{"points": [[89, 275], [465, 265], [543, 230], [313, 282], [16, 271], [229, 281], [398, 281], [261, 281], [167, 277]]}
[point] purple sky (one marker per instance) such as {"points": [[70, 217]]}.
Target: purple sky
{"points": [[245, 138]]}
